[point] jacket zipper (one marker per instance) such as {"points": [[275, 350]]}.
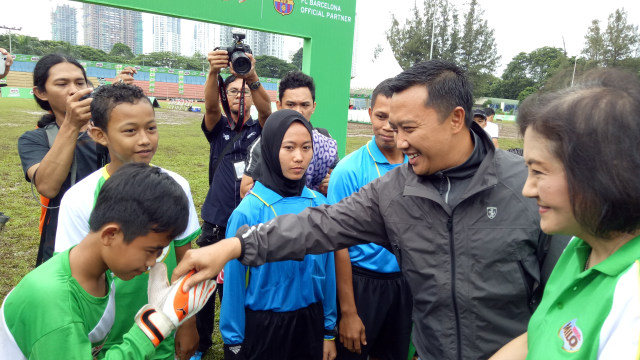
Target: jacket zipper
{"points": [[453, 286]]}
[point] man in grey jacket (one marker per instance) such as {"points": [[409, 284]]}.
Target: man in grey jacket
{"points": [[467, 241]]}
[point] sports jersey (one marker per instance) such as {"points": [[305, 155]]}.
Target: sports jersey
{"points": [[280, 286], [589, 314], [73, 226], [353, 172], [49, 315]]}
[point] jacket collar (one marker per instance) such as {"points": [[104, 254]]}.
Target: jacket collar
{"points": [[270, 197], [485, 175]]}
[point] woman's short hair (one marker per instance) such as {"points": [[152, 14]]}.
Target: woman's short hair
{"points": [[594, 129]]}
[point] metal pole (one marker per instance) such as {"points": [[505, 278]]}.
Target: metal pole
{"points": [[433, 30], [10, 28], [574, 70]]}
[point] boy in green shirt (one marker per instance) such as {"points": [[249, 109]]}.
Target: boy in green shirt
{"points": [[65, 308]]}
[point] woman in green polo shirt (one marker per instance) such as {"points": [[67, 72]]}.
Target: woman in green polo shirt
{"points": [[582, 148]]}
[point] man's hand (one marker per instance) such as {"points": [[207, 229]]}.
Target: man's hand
{"points": [[126, 75], [324, 185], [352, 333], [78, 113], [207, 261], [329, 350], [187, 340], [218, 60], [170, 306], [7, 62]]}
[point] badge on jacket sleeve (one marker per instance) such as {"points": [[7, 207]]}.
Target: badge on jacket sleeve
{"points": [[571, 336], [492, 211]]}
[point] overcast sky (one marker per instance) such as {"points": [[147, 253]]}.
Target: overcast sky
{"points": [[519, 26]]}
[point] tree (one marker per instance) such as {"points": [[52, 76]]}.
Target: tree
{"points": [[620, 38], [594, 43], [269, 66], [122, 51], [296, 60], [411, 42], [473, 46]]}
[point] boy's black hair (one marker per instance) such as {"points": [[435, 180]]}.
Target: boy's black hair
{"points": [[383, 89], [107, 97], [296, 79], [489, 111], [141, 199], [446, 83]]}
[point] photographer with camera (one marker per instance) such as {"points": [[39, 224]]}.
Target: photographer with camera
{"points": [[229, 136]]}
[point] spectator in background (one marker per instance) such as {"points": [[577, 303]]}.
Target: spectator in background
{"points": [[369, 271], [492, 128], [297, 91], [7, 63]]}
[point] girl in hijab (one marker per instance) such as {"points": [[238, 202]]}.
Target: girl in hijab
{"points": [[286, 309]]}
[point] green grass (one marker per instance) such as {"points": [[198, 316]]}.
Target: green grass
{"points": [[182, 149]]}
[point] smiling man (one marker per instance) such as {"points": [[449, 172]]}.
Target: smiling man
{"points": [[467, 241]]}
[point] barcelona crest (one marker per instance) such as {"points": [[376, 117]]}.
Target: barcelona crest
{"points": [[284, 7]]}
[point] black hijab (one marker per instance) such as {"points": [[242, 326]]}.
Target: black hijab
{"points": [[270, 170]]}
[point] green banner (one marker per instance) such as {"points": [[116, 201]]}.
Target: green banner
{"points": [[327, 27], [13, 92]]}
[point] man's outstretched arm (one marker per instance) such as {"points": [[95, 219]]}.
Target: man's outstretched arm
{"points": [[355, 220]]}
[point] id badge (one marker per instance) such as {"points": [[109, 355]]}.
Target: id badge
{"points": [[239, 167]]}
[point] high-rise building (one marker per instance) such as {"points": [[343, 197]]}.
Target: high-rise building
{"points": [[64, 26], [261, 43], [166, 34], [205, 38], [106, 26]]}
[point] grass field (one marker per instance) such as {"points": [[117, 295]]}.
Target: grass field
{"points": [[182, 149]]}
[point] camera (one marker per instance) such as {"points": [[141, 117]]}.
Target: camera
{"points": [[88, 96], [241, 62]]}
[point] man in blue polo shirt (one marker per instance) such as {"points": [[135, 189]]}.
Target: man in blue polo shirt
{"points": [[229, 138], [374, 298]]}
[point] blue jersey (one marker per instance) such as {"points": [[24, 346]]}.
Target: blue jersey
{"points": [[353, 172], [278, 286]]}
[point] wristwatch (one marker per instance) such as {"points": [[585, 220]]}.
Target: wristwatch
{"points": [[255, 85]]}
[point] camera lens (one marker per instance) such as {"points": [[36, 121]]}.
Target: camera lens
{"points": [[241, 63]]}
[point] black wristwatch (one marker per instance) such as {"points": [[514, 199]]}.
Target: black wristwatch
{"points": [[255, 85]]}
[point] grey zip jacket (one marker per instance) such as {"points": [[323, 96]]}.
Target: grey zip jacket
{"points": [[476, 269]]}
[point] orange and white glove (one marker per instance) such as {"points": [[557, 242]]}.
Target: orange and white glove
{"points": [[168, 305]]}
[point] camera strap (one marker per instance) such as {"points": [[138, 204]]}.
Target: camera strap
{"points": [[227, 109]]}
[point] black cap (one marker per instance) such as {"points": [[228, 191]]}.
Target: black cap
{"points": [[479, 112]]}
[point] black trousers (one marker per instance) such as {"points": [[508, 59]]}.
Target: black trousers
{"points": [[292, 335], [384, 304], [205, 318]]}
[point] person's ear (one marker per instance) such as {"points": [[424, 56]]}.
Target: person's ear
{"points": [[98, 135], [457, 119], [42, 95], [370, 115], [110, 233], [314, 108], [278, 105]]}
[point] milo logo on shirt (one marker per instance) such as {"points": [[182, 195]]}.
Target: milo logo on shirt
{"points": [[571, 336]]}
